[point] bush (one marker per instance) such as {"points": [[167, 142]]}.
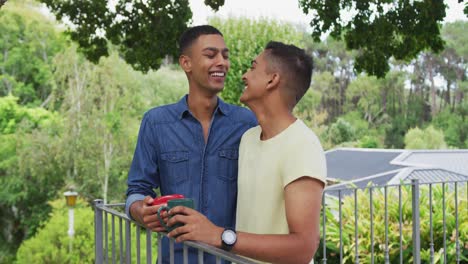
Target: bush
{"points": [[341, 131], [51, 243], [454, 127], [429, 138], [368, 142], [364, 237]]}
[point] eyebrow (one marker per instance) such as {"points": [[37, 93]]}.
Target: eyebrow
{"points": [[215, 49]]}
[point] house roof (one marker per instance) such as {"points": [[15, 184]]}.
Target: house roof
{"points": [[452, 160], [377, 167], [427, 176], [347, 188], [346, 164]]}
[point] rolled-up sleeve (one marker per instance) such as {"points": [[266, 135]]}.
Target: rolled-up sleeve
{"points": [[143, 176]]}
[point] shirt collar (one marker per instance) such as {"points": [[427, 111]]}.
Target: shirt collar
{"points": [[182, 107]]}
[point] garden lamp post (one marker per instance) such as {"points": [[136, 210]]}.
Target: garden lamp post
{"points": [[71, 202]]}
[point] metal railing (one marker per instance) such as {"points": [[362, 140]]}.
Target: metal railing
{"points": [[122, 247], [405, 223]]}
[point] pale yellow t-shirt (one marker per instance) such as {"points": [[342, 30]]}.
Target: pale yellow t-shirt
{"points": [[266, 167]]}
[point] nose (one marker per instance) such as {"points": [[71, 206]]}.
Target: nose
{"points": [[221, 61]]}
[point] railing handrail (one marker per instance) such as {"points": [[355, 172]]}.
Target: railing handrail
{"points": [[414, 193], [405, 183], [109, 208]]}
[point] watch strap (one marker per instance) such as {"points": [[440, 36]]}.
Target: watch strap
{"points": [[228, 246]]}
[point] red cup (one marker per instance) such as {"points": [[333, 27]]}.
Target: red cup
{"points": [[163, 199]]}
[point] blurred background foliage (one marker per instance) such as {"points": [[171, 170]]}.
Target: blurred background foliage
{"points": [[68, 122]]}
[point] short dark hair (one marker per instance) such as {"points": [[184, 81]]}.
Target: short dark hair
{"points": [[295, 63], [191, 34]]}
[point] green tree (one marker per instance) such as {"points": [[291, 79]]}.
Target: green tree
{"points": [[326, 84], [147, 31], [331, 56], [246, 38], [429, 138], [365, 91], [395, 132], [308, 108], [380, 29], [453, 63], [454, 126], [28, 45], [144, 31], [164, 86], [100, 108], [341, 131], [29, 175]]}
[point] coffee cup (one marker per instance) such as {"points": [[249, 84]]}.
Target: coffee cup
{"points": [[164, 199], [187, 202]]}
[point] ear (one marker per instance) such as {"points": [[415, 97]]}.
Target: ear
{"points": [[186, 63], [274, 81]]}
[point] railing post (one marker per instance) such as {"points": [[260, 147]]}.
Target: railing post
{"points": [[416, 226], [128, 242], [98, 254], [324, 224]]}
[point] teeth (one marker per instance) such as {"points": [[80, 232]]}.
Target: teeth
{"points": [[218, 74]]}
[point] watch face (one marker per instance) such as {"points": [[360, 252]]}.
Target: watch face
{"points": [[229, 237]]}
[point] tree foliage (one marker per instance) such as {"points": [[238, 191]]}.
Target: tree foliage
{"points": [[28, 170], [429, 138], [340, 132], [379, 29], [144, 31], [246, 39], [28, 44]]}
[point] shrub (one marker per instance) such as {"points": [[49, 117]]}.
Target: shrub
{"points": [[364, 237], [51, 244], [429, 138], [341, 131]]}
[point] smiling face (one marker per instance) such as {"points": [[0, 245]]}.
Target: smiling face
{"points": [[206, 63], [256, 80]]}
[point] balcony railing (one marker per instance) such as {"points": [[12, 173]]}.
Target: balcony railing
{"points": [[406, 223], [116, 247]]}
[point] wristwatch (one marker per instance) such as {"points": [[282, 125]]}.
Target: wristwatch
{"points": [[228, 239]]}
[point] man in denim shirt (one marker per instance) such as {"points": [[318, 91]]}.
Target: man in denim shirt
{"points": [[191, 147]]}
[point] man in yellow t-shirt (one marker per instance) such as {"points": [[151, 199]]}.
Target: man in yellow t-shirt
{"points": [[282, 169]]}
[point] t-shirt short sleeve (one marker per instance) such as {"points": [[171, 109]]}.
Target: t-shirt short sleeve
{"points": [[304, 158]]}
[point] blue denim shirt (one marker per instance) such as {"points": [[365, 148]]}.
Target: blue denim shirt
{"points": [[171, 155]]}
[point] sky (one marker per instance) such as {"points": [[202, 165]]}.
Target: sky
{"points": [[283, 10]]}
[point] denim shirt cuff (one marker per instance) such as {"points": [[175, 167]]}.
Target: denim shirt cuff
{"points": [[130, 200]]}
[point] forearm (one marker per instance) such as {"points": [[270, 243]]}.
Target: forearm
{"points": [[290, 248], [134, 211], [130, 201]]}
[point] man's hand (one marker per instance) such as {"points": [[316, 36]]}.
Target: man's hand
{"points": [[146, 214], [196, 227]]}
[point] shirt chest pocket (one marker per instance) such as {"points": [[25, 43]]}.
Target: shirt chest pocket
{"points": [[175, 166], [228, 159]]}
